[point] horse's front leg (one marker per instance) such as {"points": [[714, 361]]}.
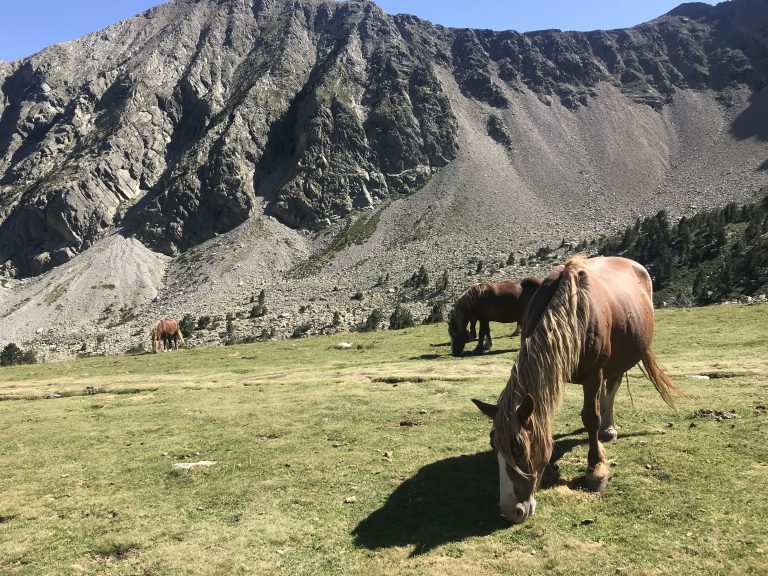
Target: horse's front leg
{"points": [[472, 328], [485, 333], [597, 468]]}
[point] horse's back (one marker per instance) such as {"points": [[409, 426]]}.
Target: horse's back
{"points": [[501, 302], [621, 311], [620, 324], [622, 285]]}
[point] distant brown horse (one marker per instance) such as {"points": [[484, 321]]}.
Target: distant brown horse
{"points": [[589, 322], [166, 335], [502, 301]]}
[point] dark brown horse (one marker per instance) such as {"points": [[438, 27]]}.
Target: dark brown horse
{"points": [[166, 335], [590, 322], [502, 301]]}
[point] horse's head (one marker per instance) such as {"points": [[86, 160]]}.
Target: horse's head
{"points": [[521, 453], [457, 330]]}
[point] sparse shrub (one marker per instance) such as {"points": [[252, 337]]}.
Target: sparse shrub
{"points": [[479, 267], [442, 286], [12, 355], [187, 325], [266, 334], [418, 279], [401, 318], [203, 322], [258, 311], [126, 315], [336, 319], [422, 294], [371, 324], [301, 330], [357, 295], [435, 315]]}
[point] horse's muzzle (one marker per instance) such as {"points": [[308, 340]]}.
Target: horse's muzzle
{"points": [[521, 511]]}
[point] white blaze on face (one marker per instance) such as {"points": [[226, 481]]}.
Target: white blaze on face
{"points": [[508, 504]]}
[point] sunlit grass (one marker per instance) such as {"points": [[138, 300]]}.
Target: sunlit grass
{"points": [[372, 460]]}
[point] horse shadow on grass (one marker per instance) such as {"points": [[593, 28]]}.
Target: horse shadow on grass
{"points": [[446, 501], [453, 499], [465, 354]]}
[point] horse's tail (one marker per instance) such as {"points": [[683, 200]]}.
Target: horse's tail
{"points": [[155, 338], [664, 386], [180, 335]]}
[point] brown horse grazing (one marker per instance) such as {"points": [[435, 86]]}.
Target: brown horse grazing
{"points": [[166, 335], [590, 322], [502, 301]]}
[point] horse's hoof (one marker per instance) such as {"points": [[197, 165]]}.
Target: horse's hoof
{"points": [[608, 435], [597, 479]]}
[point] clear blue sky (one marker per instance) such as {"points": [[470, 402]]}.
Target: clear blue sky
{"points": [[27, 26]]}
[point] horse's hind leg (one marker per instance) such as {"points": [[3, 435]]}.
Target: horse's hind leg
{"points": [[516, 332], [597, 471], [608, 431]]}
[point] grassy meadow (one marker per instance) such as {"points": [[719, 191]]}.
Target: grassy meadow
{"points": [[372, 460]]}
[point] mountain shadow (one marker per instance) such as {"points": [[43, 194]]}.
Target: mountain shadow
{"points": [[753, 122]]}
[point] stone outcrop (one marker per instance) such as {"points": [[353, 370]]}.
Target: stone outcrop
{"points": [[185, 121]]}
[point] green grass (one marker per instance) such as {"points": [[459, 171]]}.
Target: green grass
{"points": [[299, 427], [359, 228]]}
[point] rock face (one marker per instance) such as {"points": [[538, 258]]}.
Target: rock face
{"points": [[187, 120]]}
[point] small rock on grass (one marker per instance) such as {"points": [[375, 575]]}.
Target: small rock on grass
{"points": [[350, 500], [191, 465]]}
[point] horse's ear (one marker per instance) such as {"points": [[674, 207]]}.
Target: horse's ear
{"points": [[487, 409], [525, 410]]}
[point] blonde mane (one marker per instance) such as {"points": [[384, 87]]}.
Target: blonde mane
{"points": [[548, 359]]}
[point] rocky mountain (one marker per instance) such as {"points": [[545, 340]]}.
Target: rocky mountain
{"points": [[205, 147]]}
